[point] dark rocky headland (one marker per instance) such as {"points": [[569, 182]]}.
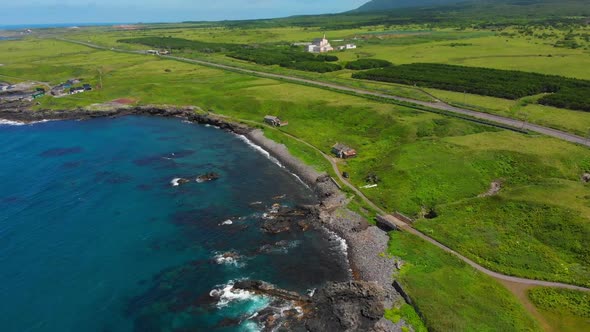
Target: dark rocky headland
{"points": [[352, 306]]}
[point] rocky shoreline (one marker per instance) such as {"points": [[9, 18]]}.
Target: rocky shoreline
{"points": [[372, 271]]}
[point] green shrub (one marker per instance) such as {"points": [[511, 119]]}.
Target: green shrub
{"points": [[367, 64], [561, 300]]}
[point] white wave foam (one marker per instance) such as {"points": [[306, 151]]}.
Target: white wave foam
{"points": [[342, 244], [227, 222], [269, 156], [225, 259], [41, 121], [175, 182], [11, 123], [227, 294], [261, 150]]}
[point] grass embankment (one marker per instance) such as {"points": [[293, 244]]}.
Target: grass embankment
{"points": [[537, 227], [421, 159], [565, 310], [525, 109], [451, 295]]}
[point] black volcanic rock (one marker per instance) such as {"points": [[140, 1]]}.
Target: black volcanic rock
{"points": [[348, 306]]}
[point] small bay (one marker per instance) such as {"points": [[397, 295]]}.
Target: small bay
{"points": [[95, 237]]}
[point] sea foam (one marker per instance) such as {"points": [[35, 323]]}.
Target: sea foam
{"points": [[227, 295], [11, 123], [269, 156]]}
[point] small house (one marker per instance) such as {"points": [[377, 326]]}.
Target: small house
{"points": [[87, 87], [275, 121], [76, 90], [153, 52], [164, 52], [344, 152]]}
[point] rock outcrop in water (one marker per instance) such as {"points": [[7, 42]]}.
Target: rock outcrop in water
{"points": [[208, 177], [348, 306], [284, 219]]}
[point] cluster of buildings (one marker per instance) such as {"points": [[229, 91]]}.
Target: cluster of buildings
{"points": [[69, 88], [20, 91], [322, 45]]}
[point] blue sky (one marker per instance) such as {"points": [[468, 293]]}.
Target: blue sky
{"points": [[86, 11]]}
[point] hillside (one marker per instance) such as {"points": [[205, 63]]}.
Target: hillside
{"points": [[534, 8], [378, 5]]}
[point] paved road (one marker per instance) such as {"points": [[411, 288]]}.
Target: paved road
{"points": [[435, 105], [442, 106]]}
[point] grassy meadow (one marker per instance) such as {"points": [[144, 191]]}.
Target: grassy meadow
{"points": [[526, 48], [424, 162], [565, 310], [451, 295]]}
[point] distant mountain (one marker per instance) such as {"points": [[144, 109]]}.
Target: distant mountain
{"points": [[388, 5], [380, 5]]}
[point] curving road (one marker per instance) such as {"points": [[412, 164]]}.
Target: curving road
{"points": [[405, 227], [436, 105]]}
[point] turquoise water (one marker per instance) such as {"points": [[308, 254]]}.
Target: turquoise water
{"points": [[93, 236]]}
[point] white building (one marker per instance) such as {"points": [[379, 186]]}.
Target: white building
{"points": [[320, 45], [347, 47]]}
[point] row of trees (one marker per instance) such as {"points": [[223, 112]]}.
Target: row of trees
{"points": [[570, 98], [362, 64], [182, 44], [288, 58], [482, 81], [509, 84]]}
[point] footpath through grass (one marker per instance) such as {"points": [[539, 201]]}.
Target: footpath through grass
{"points": [[451, 295]]}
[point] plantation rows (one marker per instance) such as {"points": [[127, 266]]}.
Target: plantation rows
{"points": [[170, 43], [367, 64], [294, 59], [566, 92]]}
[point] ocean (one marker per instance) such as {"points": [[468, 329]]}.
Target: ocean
{"points": [[94, 236], [53, 25]]}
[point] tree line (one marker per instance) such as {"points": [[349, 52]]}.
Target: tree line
{"points": [[288, 58], [171, 43], [565, 92], [362, 64]]}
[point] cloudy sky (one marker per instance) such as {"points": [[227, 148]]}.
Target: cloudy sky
{"points": [[86, 11]]}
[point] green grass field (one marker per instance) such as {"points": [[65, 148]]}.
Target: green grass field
{"points": [[424, 160], [531, 49], [565, 310], [451, 295]]}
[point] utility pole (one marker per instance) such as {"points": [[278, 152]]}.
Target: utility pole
{"points": [[100, 78], [526, 115]]}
